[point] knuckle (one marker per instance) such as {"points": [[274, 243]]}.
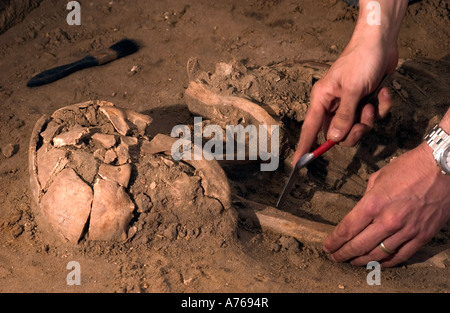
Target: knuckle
{"points": [[372, 178], [357, 249], [392, 223], [372, 206], [344, 115], [343, 233], [410, 231]]}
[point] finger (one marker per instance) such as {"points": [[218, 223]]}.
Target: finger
{"points": [[360, 129], [321, 99], [362, 244], [327, 119], [384, 103], [350, 226], [310, 129], [344, 116], [403, 254], [393, 243]]}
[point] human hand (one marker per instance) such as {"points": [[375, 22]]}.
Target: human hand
{"points": [[370, 54], [405, 205], [335, 97]]}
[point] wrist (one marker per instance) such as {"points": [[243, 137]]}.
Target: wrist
{"points": [[445, 122], [438, 141], [380, 20]]}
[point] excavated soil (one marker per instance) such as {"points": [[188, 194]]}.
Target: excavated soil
{"points": [[182, 240]]}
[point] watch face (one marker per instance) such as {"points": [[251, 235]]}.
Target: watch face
{"points": [[445, 160]]}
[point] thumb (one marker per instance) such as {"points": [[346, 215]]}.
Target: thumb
{"points": [[344, 117]]}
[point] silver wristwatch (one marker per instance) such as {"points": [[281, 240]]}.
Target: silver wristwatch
{"points": [[439, 141]]}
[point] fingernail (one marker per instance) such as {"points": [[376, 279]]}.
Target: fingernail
{"points": [[370, 112], [335, 134]]}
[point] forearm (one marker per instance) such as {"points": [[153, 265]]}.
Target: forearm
{"points": [[387, 26]]}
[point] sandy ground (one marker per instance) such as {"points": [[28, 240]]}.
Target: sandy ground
{"points": [[254, 33]]}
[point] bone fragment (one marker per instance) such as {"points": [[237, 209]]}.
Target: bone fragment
{"points": [[111, 212], [67, 204], [280, 222]]}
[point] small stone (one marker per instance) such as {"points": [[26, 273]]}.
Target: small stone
{"points": [[340, 286], [143, 203], [106, 140], [275, 247], [132, 231], [152, 185], [171, 232], [396, 85], [8, 150], [168, 162], [333, 49], [70, 138], [120, 174], [289, 243]]}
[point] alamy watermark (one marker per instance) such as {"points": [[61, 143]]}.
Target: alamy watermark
{"points": [[74, 276], [374, 15], [236, 138], [74, 16], [374, 276]]}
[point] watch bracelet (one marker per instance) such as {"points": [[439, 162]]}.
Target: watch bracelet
{"points": [[435, 137]]}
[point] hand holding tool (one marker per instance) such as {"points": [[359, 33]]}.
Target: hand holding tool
{"points": [[302, 162], [309, 157]]}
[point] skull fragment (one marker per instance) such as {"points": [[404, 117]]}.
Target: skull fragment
{"points": [[90, 166]]}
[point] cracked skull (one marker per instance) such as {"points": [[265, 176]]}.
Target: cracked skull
{"points": [[95, 174]]}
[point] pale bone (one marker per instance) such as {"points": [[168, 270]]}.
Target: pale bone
{"points": [[50, 162], [67, 194], [50, 130], [123, 155], [129, 141], [201, 100], [71, 137], [117, 117], [110, 156], [307, 231], [284, 223], [214, 180], [199, 92], [106, 140], [140, 120], [120, 174], [32, 156], [111, 212], [67, 204]]}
